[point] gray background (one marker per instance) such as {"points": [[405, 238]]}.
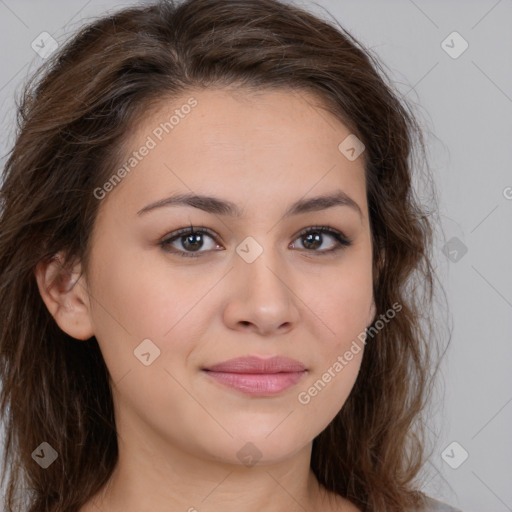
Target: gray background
{"points": [[465, 104]]}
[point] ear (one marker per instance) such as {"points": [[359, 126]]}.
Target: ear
{"points": [[65, 293]]}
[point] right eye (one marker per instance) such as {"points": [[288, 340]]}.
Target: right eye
{"points": [[190, 239]]}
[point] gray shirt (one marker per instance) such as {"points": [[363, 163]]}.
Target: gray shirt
{"points": [[437, 506]]}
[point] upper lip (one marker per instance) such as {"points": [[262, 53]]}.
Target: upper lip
{"points": [[253, 364]]}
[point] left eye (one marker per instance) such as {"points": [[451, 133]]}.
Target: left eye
{"points": [[313, 237], [192, 240]]}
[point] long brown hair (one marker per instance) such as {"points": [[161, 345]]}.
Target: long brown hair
{"points": [[73, 118]]}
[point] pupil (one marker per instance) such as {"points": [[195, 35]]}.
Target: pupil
{"points": [[313, 240], [189, 240]]}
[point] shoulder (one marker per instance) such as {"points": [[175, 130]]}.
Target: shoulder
{"points": [[432, 505]]}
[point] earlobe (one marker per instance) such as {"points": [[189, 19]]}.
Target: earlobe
{"points": [[64, 291]]}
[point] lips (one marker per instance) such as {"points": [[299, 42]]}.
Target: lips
{"points": [[276, 364], [256, 376]]}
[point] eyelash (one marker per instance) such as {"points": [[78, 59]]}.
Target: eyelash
{"points": [[341, 239]]}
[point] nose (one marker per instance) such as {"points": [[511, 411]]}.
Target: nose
{"points": [[261, 298]]}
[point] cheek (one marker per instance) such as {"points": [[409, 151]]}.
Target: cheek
{"points": [[338, 356], [328, 388], [138, 297], [342, 301], [138, 300]]}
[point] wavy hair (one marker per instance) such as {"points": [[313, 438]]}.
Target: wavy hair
{"points": [[73, 118]]}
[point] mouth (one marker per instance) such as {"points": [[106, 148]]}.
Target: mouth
{"points": [[257, 377]]}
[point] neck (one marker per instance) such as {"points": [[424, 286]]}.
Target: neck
{"points": [[161, 477], [180, 482]]}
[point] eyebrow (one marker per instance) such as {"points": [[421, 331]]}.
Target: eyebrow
{"points": [[223, 207]]}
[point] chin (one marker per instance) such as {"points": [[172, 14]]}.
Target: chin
{"points": [[255, 445]]}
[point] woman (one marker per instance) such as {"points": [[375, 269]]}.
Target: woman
{"points": [[210, 250]]}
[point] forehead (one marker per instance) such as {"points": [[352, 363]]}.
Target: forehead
{"points": [[266, 142]]}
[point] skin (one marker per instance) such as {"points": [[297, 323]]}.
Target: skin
{"points": [[179, 432]]}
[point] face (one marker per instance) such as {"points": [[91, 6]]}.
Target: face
{"points": [[264, 272]]}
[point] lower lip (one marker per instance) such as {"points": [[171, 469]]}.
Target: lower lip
{"points": [[257, 384]]}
